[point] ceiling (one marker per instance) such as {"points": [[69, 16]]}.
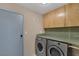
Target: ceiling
{"points": [[41, 8]]}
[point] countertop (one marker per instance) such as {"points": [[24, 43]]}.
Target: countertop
{"points": [[70, 38]]}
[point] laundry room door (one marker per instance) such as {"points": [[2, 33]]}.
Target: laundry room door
{"points": [[11, 33]]}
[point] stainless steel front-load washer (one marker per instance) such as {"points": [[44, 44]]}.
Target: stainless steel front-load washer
{"points": [[40, 46], [55, 48]]}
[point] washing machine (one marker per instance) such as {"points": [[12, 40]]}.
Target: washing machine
{"points": [[55, 48], [40, 46]]}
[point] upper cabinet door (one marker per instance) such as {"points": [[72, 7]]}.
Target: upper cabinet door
{"points": [[48, 20], [72, 15], [54, 18], [59, 17]]}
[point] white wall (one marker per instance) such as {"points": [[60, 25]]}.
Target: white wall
{"points": [[32, 26]]}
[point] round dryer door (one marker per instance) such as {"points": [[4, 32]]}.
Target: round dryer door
{"points": [[54, 51]]}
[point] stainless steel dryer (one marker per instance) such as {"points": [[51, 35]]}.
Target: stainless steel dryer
{"points": [[55, 48], [40, 46]]}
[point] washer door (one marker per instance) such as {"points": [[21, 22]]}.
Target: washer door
{"points": [[54, 51], [41, 47]]}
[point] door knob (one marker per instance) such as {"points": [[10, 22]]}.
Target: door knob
{"points": [[21, 35]]}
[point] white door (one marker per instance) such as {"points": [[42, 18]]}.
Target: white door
{"points": [[11, 30]]}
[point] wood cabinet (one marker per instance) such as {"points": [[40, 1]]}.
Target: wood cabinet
{"points": [[59, 17], [65, 16], [54, 18], [72, 14], [48, 20]]}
